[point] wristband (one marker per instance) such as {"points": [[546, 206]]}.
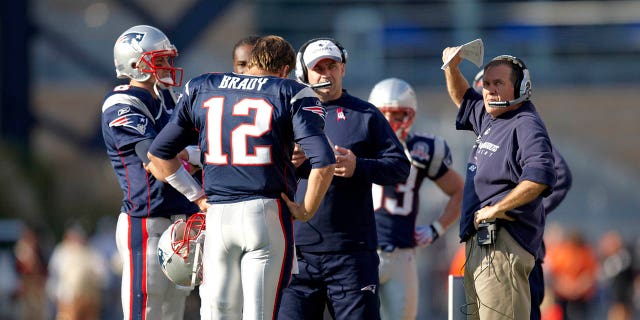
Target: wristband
{"points": [[438, 227], [182, 181], [194, 155]]}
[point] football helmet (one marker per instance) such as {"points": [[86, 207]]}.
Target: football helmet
{"points": [[396, 95], [137, 55], [180, 251], [477, 81]]}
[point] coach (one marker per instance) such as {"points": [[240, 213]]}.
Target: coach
{"points": [[510, 169]]}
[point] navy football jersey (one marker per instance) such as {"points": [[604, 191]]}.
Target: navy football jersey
{"points": [[246, 128], [396, 206], [129, 115]]}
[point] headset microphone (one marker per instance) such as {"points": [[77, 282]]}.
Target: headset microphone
{"points": [[320, 85], [504, 104]]}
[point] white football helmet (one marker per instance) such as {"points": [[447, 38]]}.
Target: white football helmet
{"points": [[180, 251], [477, 81], [136, 52], [395, 95]]}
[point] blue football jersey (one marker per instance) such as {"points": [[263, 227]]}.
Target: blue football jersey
{"points": [[129, 115], [246, 128], [396, 206]]}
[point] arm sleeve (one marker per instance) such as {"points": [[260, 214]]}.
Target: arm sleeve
{"points": [[468, 113], [130, 127], [318, 151], [391, 164], [170, 141], [141, 150], [535, 154], [308, 131], [563, 183]]}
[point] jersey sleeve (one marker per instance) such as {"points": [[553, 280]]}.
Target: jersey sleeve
{"points": [[308, 114], [431, 154], [308, 128], [127, 125]]}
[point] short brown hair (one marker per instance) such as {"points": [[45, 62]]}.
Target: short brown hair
{"points": [[271, 53]]}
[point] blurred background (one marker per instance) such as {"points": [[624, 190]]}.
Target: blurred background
{"points": [[57, 64]]}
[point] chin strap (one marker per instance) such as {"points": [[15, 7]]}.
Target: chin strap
{"points": [[161, 97]]}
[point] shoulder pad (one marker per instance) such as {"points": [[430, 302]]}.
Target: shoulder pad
{"points": [[121, 98]]}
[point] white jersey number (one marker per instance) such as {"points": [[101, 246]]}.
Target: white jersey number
{"points": [[393, 205], [239, 135]]}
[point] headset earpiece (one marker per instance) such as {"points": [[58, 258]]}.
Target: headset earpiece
{"points": [[522, 85], [301, 68]]}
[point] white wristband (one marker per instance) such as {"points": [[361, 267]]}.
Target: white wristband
{"points": [[436, 225], [182, 181], [194, 155]]}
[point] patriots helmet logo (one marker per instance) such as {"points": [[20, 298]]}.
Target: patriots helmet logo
{"points": [[317, 109], [134, 121], [133, 39]]}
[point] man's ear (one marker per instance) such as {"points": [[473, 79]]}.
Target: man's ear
{"points": [[284, 72]]}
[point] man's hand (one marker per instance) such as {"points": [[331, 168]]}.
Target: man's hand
{"points": [[298, 157], [345, 162], [202, 204], [297, 210], [452, 53], [425, 235], [490, 213]]}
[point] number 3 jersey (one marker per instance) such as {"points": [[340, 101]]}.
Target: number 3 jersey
{"points": [[129, 115], [396, 206], [246, 128]]}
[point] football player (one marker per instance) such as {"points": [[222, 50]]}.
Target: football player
{"points": [[132, 116], [242, 52], [397, 206], [247, 125]]}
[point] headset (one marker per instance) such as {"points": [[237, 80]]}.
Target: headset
{"points": [[522, 85], [301, 67]]}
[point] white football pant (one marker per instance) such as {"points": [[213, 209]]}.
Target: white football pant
{"points": [[398, 284], [243, 260]]}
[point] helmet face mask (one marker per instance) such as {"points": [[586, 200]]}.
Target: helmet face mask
{"points": [[395, 96], [180, 251], [400, 119], [160, 64], [144, 51]]}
